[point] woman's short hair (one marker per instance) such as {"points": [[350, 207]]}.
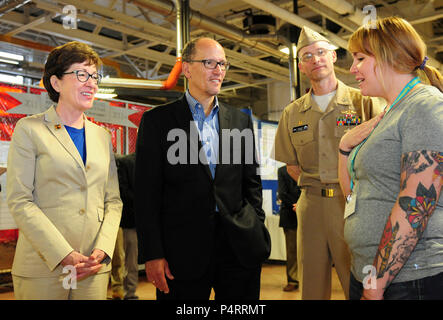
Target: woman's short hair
{"points": [[395, 43], [61, 58]]}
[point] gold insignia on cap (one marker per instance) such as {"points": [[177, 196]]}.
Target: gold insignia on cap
{"points": [[57, 126], [308, 37]]}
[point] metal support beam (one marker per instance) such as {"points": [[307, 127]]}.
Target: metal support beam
{"points": [[134, 66], [151, 32], [29, 25]]}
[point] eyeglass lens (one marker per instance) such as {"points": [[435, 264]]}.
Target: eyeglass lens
{"points": [[83, 76], [212, 64], [309, 55]]}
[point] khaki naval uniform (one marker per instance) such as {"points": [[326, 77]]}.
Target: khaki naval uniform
{"points": [[309, 138]]}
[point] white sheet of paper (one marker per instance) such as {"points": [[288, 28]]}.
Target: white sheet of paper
{"points": [[267, 202]]}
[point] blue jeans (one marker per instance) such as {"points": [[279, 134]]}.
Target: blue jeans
{"points": [[429, 288]]}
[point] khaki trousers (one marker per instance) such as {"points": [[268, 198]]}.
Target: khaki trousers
{"points": [[320, 243], [92, 288], [131, 264], [118, 265], [291, 255]]}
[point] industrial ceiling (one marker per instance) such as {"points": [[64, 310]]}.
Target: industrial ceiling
{"points": [[137, 39]]}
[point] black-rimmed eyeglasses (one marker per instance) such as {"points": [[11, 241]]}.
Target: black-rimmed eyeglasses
{"points": [[83, 76], [212, 64]]}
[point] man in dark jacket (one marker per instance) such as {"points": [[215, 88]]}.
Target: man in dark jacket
{"points": [[288, 193], [200, 220]]}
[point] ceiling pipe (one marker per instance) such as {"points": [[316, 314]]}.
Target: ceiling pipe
{"points": [[182, 30], [345, 9], [174, 75], [131, 83], [207, 23], [300, 22], [357, 16]]}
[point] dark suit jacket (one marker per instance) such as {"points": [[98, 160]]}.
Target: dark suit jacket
{"points": [[175, 203], [288, 193], [126, 169]]}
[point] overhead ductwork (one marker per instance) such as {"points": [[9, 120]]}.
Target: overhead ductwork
{"points": [[300, 22], [207, 23], [258, 24], [345, 9], [174, 75], [294, 19], [9, 5]]}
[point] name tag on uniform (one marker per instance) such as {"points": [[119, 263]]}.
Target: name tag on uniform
{"points": [[351, 199], [300, 128]]}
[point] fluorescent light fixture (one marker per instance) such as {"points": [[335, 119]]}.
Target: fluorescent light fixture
{"points": [[8, 61], [105, 95], [285, 49], [11, 56], [11, 79]]}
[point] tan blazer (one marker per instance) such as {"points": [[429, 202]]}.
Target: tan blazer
{"points": [[58, 203]]}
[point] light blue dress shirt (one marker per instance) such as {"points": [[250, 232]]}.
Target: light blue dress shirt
{"points": [[208, 129]]}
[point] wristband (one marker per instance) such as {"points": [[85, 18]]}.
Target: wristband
{"points": [[343, 152]]}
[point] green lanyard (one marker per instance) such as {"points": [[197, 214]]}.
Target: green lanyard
{"points": [[411, 84]]}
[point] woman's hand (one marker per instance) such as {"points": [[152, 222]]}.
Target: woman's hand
{"points": [[73, 258], [98, 255], [372, 294], [85, 266], [355, 136]]}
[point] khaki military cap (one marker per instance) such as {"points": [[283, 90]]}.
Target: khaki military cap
{"points": [[308, 37]]}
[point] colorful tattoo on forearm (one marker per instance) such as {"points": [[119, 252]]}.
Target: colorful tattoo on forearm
{"points": [[418, 210], [385, 247]]}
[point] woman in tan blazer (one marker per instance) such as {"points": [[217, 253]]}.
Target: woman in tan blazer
{"points": [[62, 187]]}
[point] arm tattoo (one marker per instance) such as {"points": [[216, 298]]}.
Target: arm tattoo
{"points": [[419, 209], [395, 248], [438, 157], [410, 164], [385, 247]]}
